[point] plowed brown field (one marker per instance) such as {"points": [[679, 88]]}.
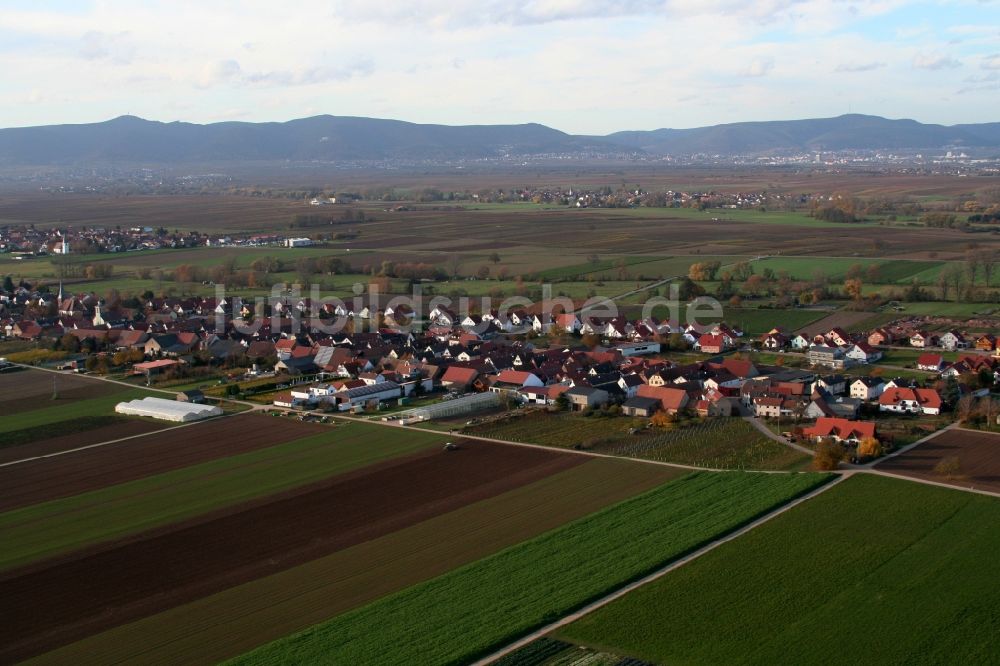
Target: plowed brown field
{"points": [[978, 455], [79, 471], [32, 389], [52, 603], [42, 447]]}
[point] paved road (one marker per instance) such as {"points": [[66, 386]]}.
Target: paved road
{"points": [[755, 422]]}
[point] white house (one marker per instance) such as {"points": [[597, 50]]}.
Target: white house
{"points": [[867, 388], [800, 342], [953, 340], [862, 352]]}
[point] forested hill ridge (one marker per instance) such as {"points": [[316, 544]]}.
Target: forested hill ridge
{"points": [[128, 139]]}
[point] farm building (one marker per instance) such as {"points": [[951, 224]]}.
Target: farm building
{"points": [[467, 404], [154, 367], [167, 410]]}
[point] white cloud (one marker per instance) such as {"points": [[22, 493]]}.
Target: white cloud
{"points": [[230, 72], [654, 63], [758, 67], [859, 66], [220, 71], [991, 62], [312, 75], [935, 61], [116, 48]]}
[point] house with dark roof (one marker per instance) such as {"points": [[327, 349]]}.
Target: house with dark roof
{"points": [[640, 406], [867, 388], [584, 397]]}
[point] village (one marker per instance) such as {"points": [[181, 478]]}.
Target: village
{"points": [[830, 387], [26, 242]]}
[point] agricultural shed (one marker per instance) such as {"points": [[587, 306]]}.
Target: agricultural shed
{"points": [[150, 367], [167, 410], [451, 408]]}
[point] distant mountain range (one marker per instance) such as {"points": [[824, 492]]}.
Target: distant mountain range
{"points": [[132, 140]]}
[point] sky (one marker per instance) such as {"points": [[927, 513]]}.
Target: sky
{"points": [[581, 66]]}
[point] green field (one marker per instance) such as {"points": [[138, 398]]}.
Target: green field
{"points": [[233, 621], [23, 436], [875, 570], [41, 530], [472, 610], [721, 443], [908, 357], [563, 429], [757, 321], [67, 411], [890, 271], [681, 264], [750, 216], [606, 266], [573, 289], [949, 309]]}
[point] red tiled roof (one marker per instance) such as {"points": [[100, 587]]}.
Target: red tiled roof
{"points": [[457, 375], [923, 397], [670, 398], [930, 359], [827, 426], [514, 376]]}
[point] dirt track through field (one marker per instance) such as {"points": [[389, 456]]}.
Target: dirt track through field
{"points": [[77, 472], [52, 603], [42, 447], [30, 389]]}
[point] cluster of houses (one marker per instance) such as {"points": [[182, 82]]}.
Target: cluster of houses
{"points": [[386, 362], [837, 349], [632, 197], [25, 241]]}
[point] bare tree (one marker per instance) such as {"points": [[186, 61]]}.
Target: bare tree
{"points": [[455, 262], [972, 260], [955, 276], [988, 260], [944, 285]]}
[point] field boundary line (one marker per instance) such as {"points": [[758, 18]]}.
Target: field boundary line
{"points": [[592, 454], [114, 441], [97, 378], [662, 281], [906, 449], [940, 484], [676, 564]]}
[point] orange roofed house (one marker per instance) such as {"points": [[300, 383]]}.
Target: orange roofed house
{"points": [[672, 400], [842, 430], [912, 401]]}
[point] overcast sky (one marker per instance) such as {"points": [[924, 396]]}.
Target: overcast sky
{"points": [[583, 66]]}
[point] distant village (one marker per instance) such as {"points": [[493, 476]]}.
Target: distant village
{"points": [[27, 241]]}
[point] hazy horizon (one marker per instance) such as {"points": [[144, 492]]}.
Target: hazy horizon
{"points": [[580, 66], [431, 122]]}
